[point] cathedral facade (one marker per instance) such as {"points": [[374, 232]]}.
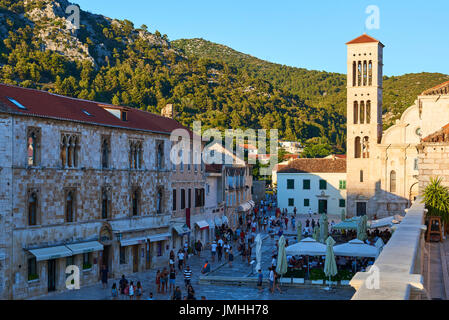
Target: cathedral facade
{"points": [[382, 166]]}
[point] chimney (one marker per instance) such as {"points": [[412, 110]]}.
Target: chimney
{"points": [[168, 111]]}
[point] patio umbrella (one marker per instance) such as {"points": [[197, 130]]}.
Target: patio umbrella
{"points": [[281, 266], [330, 266], [355, 248], [258, 251], [299, 231], [361, 228], [379, 245], [315, 233], [324, 228]]}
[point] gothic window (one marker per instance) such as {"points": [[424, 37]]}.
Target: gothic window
{"points": [[183, 199], [359, 74], [365, 147], [356, 112], [159, 199], [135, 154], [393, 181], [368, 112], [160, 155], [370, 73], [33, 140], [357, 147], [365, 73], [174, 199], [362, 112], [105, 152], [105, 203], [361, 175], [69, 150], [354, 74], [32, 208], [135, 202], [70, 205]]}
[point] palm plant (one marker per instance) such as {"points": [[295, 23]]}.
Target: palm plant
{"points": [[436, 198]]}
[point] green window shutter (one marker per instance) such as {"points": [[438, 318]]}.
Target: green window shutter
{"points": [[306, 184], [291, 202], [290, 184], [306, 203], [342, 203], [323, 185], [342, 184]]}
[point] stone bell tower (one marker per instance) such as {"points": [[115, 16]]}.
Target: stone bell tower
{"points": [[364, 123]]}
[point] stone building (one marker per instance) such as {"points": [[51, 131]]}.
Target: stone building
{"points": [[81, 183], [382, 174], [434, 158]]}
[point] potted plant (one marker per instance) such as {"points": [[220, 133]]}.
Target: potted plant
{"points": [[436, 199], [317, 276], [345, 276]]}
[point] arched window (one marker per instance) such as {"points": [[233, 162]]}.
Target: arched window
{"points": [[64, 151], [368, 111], [361, 175], [135, 202], [359, 74], [365, 147], [365, 73], [362, 112], [370, 73], [393, 181], [104, 204], [357, 147], [32, 148], [69, 207], [32, 209], [354, 74], [160, 156], [356, 112]]}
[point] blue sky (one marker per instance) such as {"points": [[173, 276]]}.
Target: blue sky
{"points": [[308, 34]]}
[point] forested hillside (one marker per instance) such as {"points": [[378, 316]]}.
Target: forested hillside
{"points": [[112, 61]]}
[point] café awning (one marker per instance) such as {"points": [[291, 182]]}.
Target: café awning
{"points": [[49, 253], [181, 228], [202, 224], [246, 206], [159, 237], [85, 247], [355, 248], [306, 247], [132, 241]]}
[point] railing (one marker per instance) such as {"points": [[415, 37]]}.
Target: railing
{"points": [[397, 272]]}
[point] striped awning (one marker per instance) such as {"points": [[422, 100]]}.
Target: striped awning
{"points": [[85, 247], [49, 253], [181, 229], [202, 224]]}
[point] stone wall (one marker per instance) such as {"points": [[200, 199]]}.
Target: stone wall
{"points": [[433, 163]]}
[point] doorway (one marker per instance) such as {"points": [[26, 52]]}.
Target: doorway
{"points": [[106, 259], [136, 258], [322, 206], [148, 256], [51, 275], [361, 208]]}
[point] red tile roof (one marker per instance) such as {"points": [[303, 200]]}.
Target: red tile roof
{"points": [[364, 38], [442, 88], [315, 165], [441, 135], [214, 168], [45, 104]]}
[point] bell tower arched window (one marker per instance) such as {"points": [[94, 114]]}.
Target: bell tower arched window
{"points": [[365, 73], [354, 73], [368, 112], [357, 148], [370, 73], [359, 74], [393, 181], [356, 112], [365, 147], [362, 112]]}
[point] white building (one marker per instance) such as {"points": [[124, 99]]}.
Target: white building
{"points": [[318, 185]]}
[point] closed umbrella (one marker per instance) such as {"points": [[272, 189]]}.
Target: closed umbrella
{"points": [[343, 215], [315, 233], [281, 266], [379, 245], [324, 228], [258, 251], [361, 228], [299, 231], [330, 266]]}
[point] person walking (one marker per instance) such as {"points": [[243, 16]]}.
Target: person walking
{"points": [[187, 276], [172, 279], [122, 284], [199, 247], [276, 282], [139, 290], [114, 291], [259, 280], [220, 250], [226, 250], [213, 250], [131, 289], [180, 259], [230, 257], [248, 254], [164, 280], [158, 281], [177, 294], [271, 278], [104, 276]]}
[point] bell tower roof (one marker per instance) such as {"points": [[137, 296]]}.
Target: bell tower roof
{"points": [[364, 38]]}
